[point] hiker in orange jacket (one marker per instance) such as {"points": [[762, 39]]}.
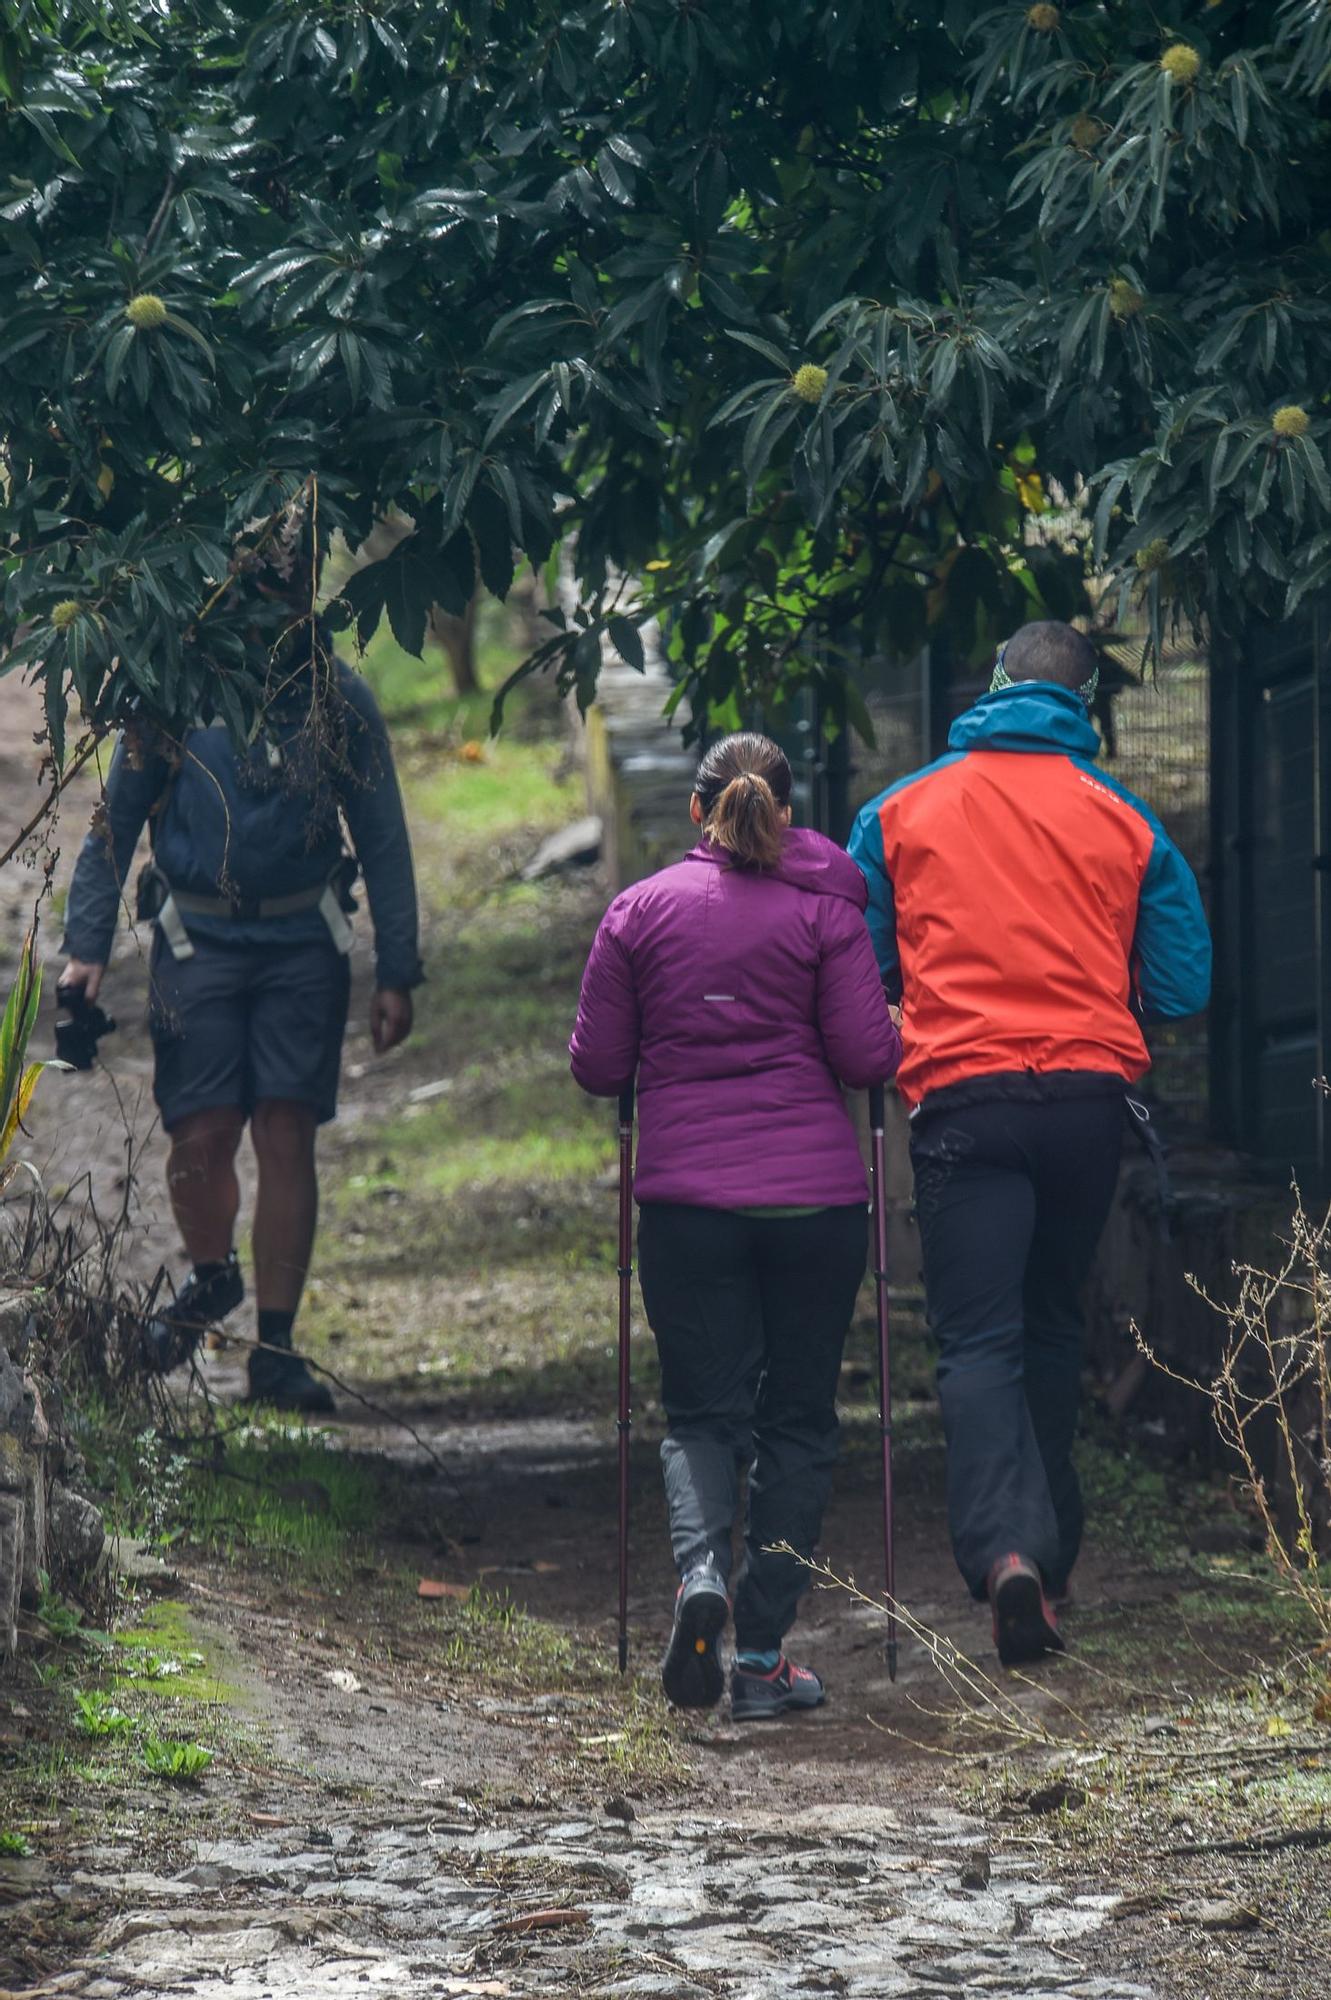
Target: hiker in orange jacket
{"points": [[1029, 912]]}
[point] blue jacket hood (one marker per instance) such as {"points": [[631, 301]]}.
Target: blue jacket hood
{"points": [[1033, 715]]}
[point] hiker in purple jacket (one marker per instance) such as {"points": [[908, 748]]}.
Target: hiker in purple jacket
{"points": [[739, 986]]}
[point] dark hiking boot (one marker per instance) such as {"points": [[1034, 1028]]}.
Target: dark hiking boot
{"points": [[756, 1697], [691, 1672], [283, 1381], [1025, 1627], [209, 1293]]}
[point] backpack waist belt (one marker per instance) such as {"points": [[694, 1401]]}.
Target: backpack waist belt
{"points": [[177, 904], [245, 909]]}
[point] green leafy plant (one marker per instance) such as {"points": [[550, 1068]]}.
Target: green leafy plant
{"points": [[18, 1079], [178, 1762], [98, 1715], [62, 1620], [15, 1846]]}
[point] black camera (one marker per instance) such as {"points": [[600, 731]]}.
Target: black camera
{"points": [[77, 1037]]}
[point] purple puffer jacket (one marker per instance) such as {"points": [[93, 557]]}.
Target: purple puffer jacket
{"points": [[738, 999]]}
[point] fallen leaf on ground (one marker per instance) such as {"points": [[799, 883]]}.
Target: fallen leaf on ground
{"points": [[433, 1586], [265, 1819], [1277, 1726], [543, 1920], [342, 1677]]}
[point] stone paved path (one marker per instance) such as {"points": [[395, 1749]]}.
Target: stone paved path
{"points": [[834, 1899]]}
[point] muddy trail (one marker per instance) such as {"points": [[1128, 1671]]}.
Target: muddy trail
{"points": [[395, 1636]]}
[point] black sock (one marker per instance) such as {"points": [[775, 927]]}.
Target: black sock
{"points": [[275, 1327], [212, 1269]]}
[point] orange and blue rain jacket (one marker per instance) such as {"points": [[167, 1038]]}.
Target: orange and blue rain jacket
{"points": [[1029, 909]]}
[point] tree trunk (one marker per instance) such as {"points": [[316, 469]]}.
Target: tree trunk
{"points": [[455, 636]]}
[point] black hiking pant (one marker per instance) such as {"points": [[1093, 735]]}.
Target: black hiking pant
{"points": [[1011, 1198], [750, 1315]]}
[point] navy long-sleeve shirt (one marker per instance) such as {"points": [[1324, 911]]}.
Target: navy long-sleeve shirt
{"points": [[262, 822]]}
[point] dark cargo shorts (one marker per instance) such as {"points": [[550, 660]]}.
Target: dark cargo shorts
{"points": [[236, 1023]]}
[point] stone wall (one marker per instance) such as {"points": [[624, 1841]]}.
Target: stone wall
{"points": [[46, 1525]]}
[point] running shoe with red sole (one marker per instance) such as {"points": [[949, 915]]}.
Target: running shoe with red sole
{"points": [[758, 1697], [1025, 1628]]}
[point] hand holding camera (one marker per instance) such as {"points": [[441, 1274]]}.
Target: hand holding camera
{"points": [[84, 1022]]}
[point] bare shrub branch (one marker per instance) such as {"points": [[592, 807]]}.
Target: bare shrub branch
{"points": [[1272, 1387]]}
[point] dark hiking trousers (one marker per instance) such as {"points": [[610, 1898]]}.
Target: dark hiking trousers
{"points": [[750, 1316], [1011, 1199]]}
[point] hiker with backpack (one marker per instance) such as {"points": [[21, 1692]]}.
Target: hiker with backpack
{"points": [[249, 892], [739, 987], [1029, 912]]}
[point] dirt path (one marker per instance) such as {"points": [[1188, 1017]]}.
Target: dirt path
{"points": [[457, 1795]]}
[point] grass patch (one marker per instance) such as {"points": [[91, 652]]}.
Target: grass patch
{"points": [[284, 1494], [645, 1753], [531, 1156], [489, 1638], [418, 694], [276, 1489], [498, 787]]}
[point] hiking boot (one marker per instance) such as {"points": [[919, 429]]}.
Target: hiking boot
{"points": [[209, 1293], [283, 1381], [1025, 1627], [755, 1697], [691, 1672]]}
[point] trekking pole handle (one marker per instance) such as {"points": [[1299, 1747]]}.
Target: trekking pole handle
{"points": [[626, 1104], [877, 1106]]}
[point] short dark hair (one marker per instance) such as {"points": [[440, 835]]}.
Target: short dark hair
{"points": [[1047, 650]]}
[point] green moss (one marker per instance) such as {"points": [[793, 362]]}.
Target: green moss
{"points": [[166, 1636]]}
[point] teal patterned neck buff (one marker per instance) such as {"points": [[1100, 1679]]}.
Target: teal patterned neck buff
{"points": [[1003, 679]]}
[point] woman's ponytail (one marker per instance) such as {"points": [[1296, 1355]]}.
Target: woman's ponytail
{"points": [[746, 821], [743, 786]]}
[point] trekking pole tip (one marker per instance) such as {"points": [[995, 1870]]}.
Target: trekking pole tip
{"points": [[623, 1652], [891, 1659]]}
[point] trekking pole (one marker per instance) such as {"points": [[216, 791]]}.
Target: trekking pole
{"points": [[625, 1308], [878, 1145]]}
